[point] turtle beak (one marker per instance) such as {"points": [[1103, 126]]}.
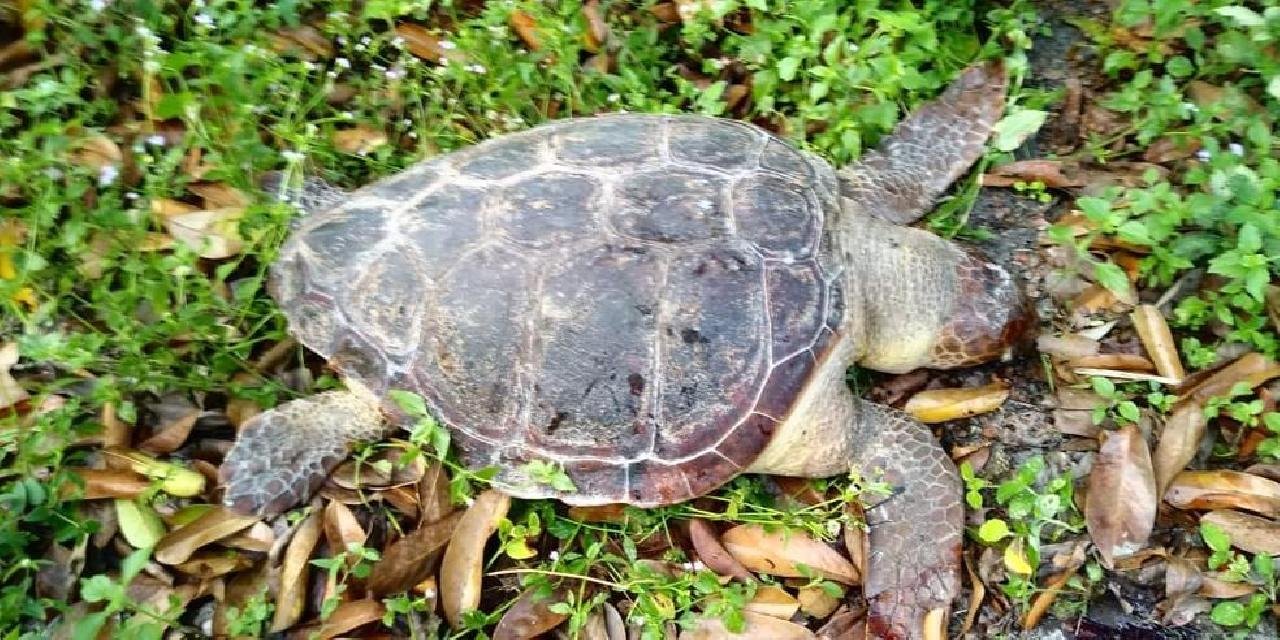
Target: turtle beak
{"points": [[991, 317]]}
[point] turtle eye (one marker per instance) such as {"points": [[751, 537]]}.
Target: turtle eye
{"points": [[991, 316]]}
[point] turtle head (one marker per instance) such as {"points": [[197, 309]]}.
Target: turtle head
{"points": [[990, 317]]}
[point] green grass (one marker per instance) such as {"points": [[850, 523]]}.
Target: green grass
{"points": [[101, 321]]}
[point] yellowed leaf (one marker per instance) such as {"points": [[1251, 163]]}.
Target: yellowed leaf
{"points": [[1120, 510], [773, 601], [292, 594], [139, 524], [217, 523], [97, 152], [11, 392], [941, 405], [174, 479], [460, 572], [1158, 341], [1015, 559], [213, 233], [758, 626], [1043, 600], [816, 602], [1224, 489], [108, 483], [168, 207], [779, 554], [348, 617], [1248, 532]]}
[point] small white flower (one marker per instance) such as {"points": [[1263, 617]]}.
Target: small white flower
{"points": [[1236, 148], [98, 5], [448, 45], [342, 40], [342, 62], [553, 555], [107, 175], [291, 155], [132, 195], [396, 73], [204, 20], [613, 97], [1203, 155], [308, 65], [833, 527], [155, 139], [397, 42], [408, 122], [476, 68]]}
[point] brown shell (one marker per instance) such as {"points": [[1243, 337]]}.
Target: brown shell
{"points": [[639, 298]]}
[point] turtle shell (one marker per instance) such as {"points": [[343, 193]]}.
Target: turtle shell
{"points": [[640, 298]]}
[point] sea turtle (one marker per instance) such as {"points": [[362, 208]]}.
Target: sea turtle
{"points": [[656, 303]]}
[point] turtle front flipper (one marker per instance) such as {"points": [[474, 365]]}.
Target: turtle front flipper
{"points": [[913, 568], [282, 455], [929, 149]]}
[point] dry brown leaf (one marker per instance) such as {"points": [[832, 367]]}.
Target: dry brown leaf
{"points": [[460, 572], [1121, 506], [856, 543], [526, 28], [1171, 148], [1113, 361], [426, 45], [1248, 532], [97, 152], [779, 553], [815, 601], [168, 207], [108, 483], [1067, 346], [291, 598], [170, 435], [1268, 471], [941, 405], [1043, 600], [597, 33], [209, 565], [773, 601], [758, 626], [1224, 489], [174, 479], [213, 234], [1178, 443], [219, 195], [614, 513], [433, 494], [977, 593], [665, 12], [348, 617], [341, 529], [1158, 341], [413, 558], [217, 523], [1251, 369], [712, 553], [1219, 589], [530, 616], [259, 538], [1055, 174], [359, 140], [304, 41]]}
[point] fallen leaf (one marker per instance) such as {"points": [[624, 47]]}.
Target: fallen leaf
{"points": [[597, 33], [1114, 361], [108, 483], [712, 553], [412, 558], [817, 602], [175, 479], [1054, 174], [341, 529], [1073, 414], [758, 626], [1120, 510], [1248, 532], [1068, 346], [304, 41], [348, 617], [212, 234], [460, 572], [1220, 589], [217, 523], [1251, 369], [526, 28], [173, 432], [433, 494], [219, 195], [613, 513], [1015, 559], [1169, 148], [779, 554], [1224, 489], [97, 152], [208, 566], [11, 392], [426, 45], [530, 616], [139, 524], [1158, 341], [291, 598], [977, 593], [773, 601], [359, 140], [1043, 600], [1179, 441], [941, 405]]}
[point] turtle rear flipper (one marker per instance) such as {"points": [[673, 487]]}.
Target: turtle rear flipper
{"points": [[929, 149], [282, 455]]}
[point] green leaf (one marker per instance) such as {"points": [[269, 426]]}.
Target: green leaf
{"points": [[1016, 127], [1111, 276], [99, 588], [1244, 16], [1273, 86], [993, 531], [409, 402], [787, 68], [87, 628], [1214, 536], [1249, 239], [1103, 386], [1228, 614]]}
